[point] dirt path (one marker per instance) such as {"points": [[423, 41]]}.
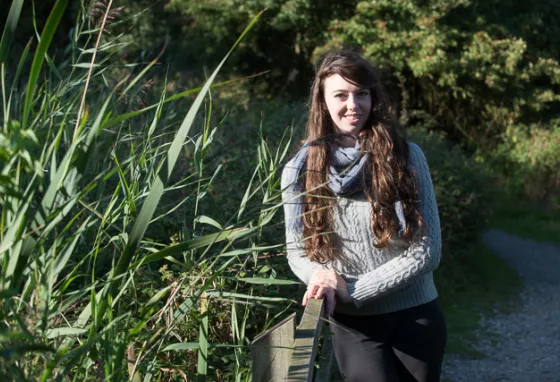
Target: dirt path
{"points": [[528, 346]]}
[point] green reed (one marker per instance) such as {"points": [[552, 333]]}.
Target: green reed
{"points": [[86, 291]]}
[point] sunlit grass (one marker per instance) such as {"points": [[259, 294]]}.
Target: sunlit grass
{"points": [[106, 252]]}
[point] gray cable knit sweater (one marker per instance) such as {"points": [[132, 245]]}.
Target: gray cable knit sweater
{"points": [[385, 280]]}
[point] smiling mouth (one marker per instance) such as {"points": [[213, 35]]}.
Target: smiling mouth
{"points": [[353, 117]]}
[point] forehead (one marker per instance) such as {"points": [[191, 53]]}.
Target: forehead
{"points": [[336, 82]]}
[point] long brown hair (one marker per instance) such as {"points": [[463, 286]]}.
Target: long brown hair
{"points": [[386, 177]]}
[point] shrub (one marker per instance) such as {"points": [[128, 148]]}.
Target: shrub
{"points": [[463, 190], [471, 70], [528, 160]]}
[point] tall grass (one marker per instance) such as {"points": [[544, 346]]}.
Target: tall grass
{"points": [[94, 282]]}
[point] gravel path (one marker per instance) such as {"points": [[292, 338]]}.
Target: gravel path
{"points": [[528, 348]]}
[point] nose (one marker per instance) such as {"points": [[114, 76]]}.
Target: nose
{"points": [[351, 102]]}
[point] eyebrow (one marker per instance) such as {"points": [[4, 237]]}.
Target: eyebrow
{"points": [[346, 91]]}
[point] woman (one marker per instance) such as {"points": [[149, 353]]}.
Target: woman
{"points": [[362, 228]]}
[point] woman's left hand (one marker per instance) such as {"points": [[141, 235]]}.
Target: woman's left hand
{"points": [[328, 284]]}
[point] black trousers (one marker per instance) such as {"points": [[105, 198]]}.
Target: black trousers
{"points": [[401, 346]]}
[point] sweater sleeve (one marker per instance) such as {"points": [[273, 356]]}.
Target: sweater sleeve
{"points": [[423, 254], [292, 198]]}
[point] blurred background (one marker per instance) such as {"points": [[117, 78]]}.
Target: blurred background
{"points": [[476, 85]]}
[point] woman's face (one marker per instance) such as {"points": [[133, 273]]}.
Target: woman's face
{"points": [[349, 105]]}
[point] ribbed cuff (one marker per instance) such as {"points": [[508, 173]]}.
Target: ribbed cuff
{"points": [[356, 298]]}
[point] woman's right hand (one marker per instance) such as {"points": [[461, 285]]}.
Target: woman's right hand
{"points": [[326, 283], [321, 291]]}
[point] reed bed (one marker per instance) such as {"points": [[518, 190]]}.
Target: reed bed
{"points": [[94, 282]]}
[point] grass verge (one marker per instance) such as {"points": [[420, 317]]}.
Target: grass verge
{"points": [[476, 284], [528, 219]]}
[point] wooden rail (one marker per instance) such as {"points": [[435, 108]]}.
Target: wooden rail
{"points": [[306, 342], [284, 354]]}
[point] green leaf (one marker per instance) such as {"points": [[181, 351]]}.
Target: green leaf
{"points": [[12, 336], [263, 280], [202, 367], [62, 259], [182, 346], [9, 29], [21, 260], [158, 296], [66, 331], [246, 296], [85, 65], [65, 168], [208, 220], [13, 234], [239, 252], [247, 194], [7, 293], [268, 215], [124, 117], [46, 38], [195, 346], [198, 242]]}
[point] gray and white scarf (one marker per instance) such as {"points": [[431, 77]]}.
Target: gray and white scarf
{"points": [[345, 168], [346, 173]]}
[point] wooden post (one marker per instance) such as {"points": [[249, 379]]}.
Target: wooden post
{"points": [[271, 351], [306, 342], [327, 362]]}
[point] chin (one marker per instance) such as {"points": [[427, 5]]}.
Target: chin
{"points": [[349, 129], [354, 130]]}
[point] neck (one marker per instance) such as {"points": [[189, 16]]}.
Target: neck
{"points": [[346, 140]]}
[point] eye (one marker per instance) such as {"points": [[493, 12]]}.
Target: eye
{"points": [[340, 95], [363, 93]]}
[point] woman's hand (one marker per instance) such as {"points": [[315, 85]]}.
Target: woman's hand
{"points": [[328, 284]]}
